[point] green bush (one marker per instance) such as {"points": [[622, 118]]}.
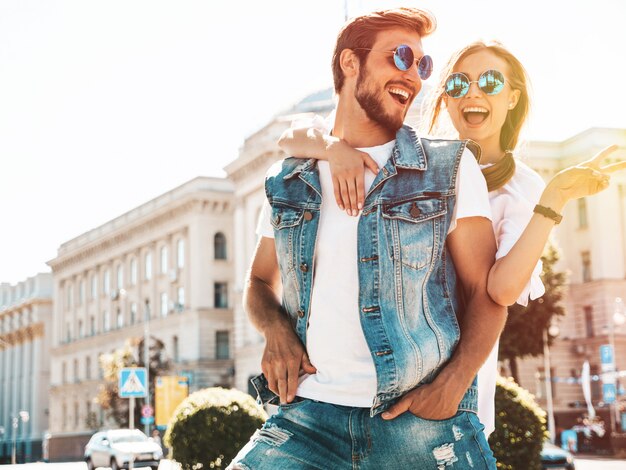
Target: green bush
{"points": [[210, 426], [520, 428]]}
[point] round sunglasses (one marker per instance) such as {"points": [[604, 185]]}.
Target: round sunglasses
{"points": [[404, 58], [490, 82]]}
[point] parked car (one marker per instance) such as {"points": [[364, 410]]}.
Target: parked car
{"points": [[555, 458], [115, 448]]}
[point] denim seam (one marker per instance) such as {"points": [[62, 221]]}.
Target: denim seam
{"points": [[480, 447]]}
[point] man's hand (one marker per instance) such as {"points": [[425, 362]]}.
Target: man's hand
{"points": [[284, 360], [437, 400]]}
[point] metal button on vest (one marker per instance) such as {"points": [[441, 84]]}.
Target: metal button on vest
{"points": [[385, 171], [308, 216], [304, 267], [278, 219], [415, 211], [300, 313]]}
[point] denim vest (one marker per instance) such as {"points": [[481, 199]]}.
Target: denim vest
{"points": [[408, 297]]}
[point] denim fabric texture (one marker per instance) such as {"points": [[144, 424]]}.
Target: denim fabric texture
{"points": [[407, 284], [308, 434]]}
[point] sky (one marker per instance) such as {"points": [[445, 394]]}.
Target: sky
{"points": [[106, 105]]}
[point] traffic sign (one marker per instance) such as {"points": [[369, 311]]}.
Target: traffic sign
{"points": [[606, 354], [133, 382], [608, 393], [147, 419], [147, 410]]}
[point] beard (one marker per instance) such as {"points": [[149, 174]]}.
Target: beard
{"points": [[372, 103]]}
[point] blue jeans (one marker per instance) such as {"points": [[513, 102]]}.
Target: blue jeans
{"points": [[308, 434]]}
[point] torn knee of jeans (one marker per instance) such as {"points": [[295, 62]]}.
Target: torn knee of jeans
{"points": [[272, 435], [238, 466], [445, 455]]}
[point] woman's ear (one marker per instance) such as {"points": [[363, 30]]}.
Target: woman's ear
{"points": [[514, 98]]}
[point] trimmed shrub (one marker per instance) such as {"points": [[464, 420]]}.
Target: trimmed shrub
{"points": [[210, 426], [520, 428]]}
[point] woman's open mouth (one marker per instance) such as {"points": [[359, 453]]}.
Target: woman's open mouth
{"points": [[475, 115]]}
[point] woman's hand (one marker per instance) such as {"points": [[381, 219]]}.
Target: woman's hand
{"points": [[347, 167], [585, 179]]}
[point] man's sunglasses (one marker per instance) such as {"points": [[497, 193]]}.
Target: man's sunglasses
{"points": [[490, 82], [403, 59]]}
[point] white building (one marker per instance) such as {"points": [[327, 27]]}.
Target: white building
{"points": [[172, 254], [25, 327]]}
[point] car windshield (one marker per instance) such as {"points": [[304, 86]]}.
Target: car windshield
{"points": [[128, 437]]}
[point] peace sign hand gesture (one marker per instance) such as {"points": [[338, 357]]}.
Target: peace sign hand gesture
{"points": [[585, 179]]}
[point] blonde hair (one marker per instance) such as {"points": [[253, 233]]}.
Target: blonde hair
{"points": [[517, 78]]}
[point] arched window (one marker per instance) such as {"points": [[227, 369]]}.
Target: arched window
{"points": [[219, 244]]}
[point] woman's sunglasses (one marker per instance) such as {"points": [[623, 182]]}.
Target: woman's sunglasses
{"points": [[490, 82], [403, 59]]}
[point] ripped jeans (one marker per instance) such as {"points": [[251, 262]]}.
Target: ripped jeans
{"points": [[308, 434]]}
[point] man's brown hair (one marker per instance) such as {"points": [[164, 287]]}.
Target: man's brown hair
{"points": [[361, 32]]}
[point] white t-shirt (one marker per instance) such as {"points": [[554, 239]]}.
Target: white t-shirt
{"points": [[511, 210], [335, 342]]}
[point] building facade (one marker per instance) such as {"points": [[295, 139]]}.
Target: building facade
{"points": [[592, 244], [25, 327], [168, 262]]}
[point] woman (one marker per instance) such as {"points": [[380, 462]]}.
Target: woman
{"points": [[484, 90]]}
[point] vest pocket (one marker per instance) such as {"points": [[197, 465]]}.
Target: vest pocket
{"points": [[410, 227]]}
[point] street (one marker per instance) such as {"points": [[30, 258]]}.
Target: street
{"points": [[583, 463]]}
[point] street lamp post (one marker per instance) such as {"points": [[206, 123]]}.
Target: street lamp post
{"points": [[24, 417], [146, 357], [553, 331], [618, 319]]}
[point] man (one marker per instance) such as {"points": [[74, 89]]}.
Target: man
{"points": [[363, 352]]}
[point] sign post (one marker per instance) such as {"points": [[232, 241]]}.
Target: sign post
{"points": [[133, 383]]}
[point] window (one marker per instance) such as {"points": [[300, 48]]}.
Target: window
{"points": [[163, 260], [68, 332], [586, 262], [75, 370], [81, 292], [64, 416], [94, 286], [163, 304], [582, 213], [175, 348], [63, 372], [81, 331], [148, 267], [219, 245], [180, 253], [76, 416], [119, 319], [88, 368], [133, 313], [180, 298], [106, 282], [222, 347], [92, 325], [221, 295], [133, 272], [589, 321], [120, 277], [106, 321], [70, 294]]}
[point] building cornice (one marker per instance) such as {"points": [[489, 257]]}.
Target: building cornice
{"points": [[112, 235], [21, 335]]}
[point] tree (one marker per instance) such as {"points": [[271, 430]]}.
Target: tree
{"points": [[523, 332], [210, 426], [520, 428], [130, 355]]}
